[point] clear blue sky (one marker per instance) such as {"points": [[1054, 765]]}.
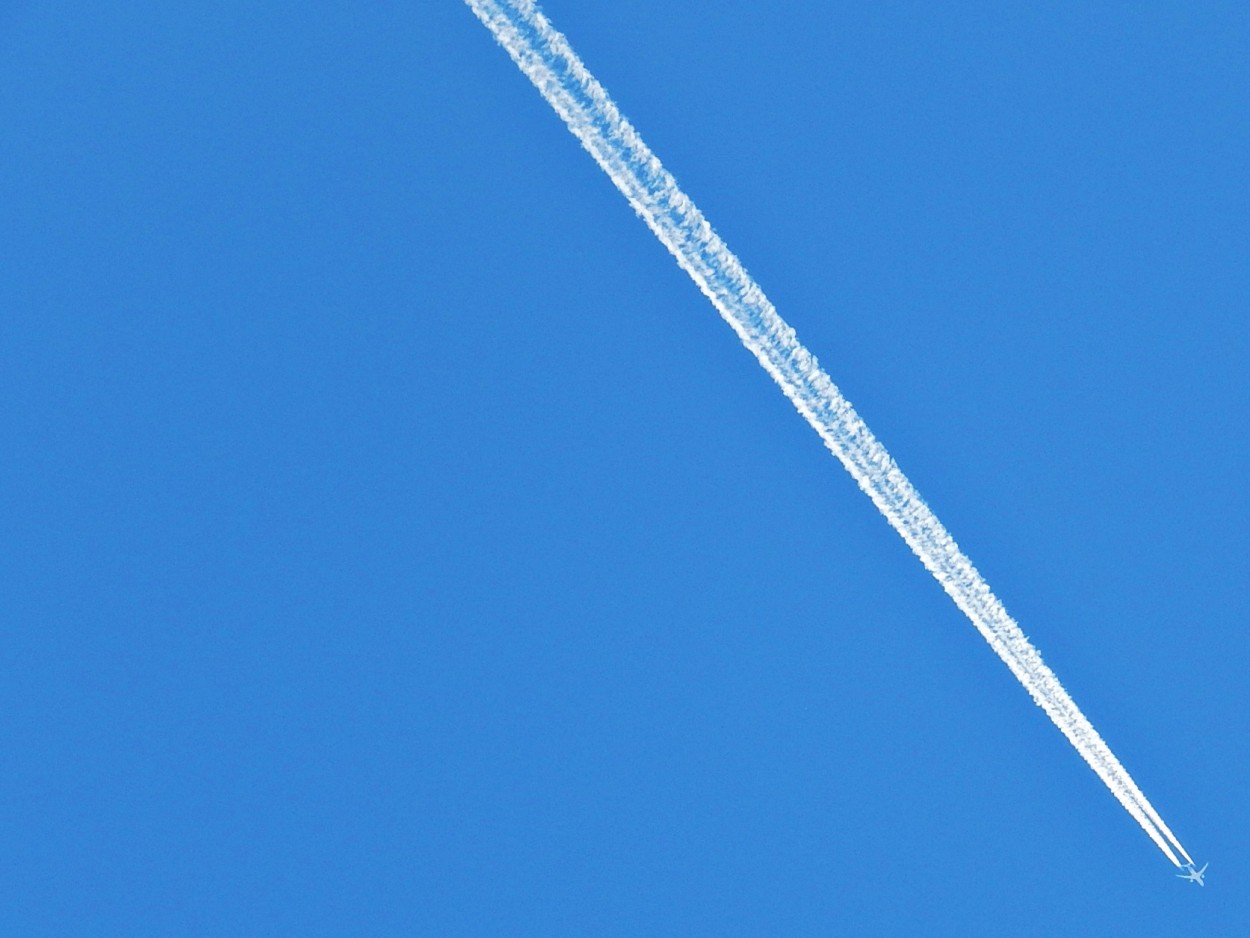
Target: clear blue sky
{"points": [[396, 542]]}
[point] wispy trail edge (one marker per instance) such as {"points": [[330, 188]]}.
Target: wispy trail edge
{"points": [[546, 58]]}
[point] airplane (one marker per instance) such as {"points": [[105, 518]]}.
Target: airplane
{"points": [[1193, 875]]}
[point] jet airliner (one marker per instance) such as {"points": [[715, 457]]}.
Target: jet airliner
{"points": [[1192, 875]]}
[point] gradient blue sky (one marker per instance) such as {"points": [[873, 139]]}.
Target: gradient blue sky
{"points": [[397, 542]]}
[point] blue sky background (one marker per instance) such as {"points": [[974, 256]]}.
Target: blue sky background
{"points": [[397, 542]]}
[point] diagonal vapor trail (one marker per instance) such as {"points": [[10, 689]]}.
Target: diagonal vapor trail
{"points": [[547, 59]]}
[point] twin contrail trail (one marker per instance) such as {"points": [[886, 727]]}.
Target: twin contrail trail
{"points": [[546, 58]]}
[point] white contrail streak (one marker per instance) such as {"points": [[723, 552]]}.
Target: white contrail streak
{"points": [[546, 58]]}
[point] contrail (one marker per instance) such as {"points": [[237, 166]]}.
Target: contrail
{"points": [[546, 58]]}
